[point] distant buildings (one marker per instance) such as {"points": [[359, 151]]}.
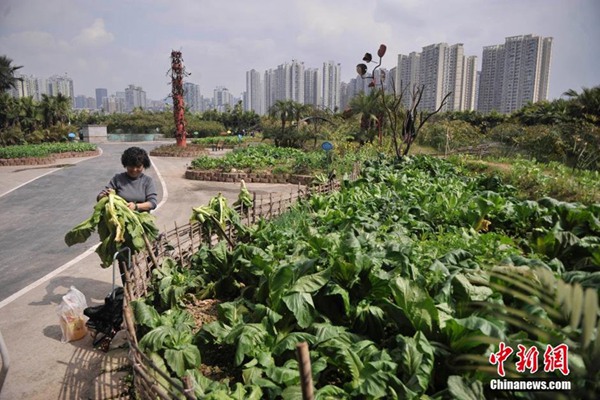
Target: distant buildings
{"points": [[135, 97], [511, 75], [293, 81], [222, 99], [191, 96], [101, 94], [514, 73], [442, 69], [254, 97]]}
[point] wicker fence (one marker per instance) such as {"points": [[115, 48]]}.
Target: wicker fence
{"points": [[180, 244]]}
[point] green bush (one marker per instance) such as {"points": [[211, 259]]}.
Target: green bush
{"points": [[449, 135]]}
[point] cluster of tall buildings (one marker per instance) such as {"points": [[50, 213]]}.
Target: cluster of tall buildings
{"points": [[293, 81], [511, 75]]}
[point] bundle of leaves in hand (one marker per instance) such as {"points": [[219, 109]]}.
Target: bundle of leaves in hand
{"points": [[118, 227]]}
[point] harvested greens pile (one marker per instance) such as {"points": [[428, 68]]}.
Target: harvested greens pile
{"points": [[118, 227]]}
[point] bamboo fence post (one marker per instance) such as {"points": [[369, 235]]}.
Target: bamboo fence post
{"points": [[305, 371], [253, 207]]}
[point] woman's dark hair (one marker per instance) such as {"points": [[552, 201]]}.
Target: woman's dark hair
{"points": [[134, 156]]}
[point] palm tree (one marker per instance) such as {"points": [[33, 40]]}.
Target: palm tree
{"points": [[287, 111], [7, 74], [369, 107], [55, 109], [586, 104], [29, 115]]}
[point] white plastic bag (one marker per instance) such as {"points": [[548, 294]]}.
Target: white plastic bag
{"points": [[70, 314]]}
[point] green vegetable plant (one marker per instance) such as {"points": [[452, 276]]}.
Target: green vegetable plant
{"points": [[118, 227]]}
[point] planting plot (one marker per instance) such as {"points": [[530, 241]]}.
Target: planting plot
{"points": [[404, 283]]}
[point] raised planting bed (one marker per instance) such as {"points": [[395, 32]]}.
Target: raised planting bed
{"points": [[257, 177], [49, 159], [172, 150]]}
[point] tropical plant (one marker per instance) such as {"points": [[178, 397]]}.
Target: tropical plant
{"points": [[289, 114], [369, 108], [585, 104], [8, 80]]}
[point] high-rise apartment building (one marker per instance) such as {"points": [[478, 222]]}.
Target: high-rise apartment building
{"points": [[222, 99], [101, 93], [331, 85], [114, 104], [514, 73], [191, 96], [61, 84], [135, 97], [254, 99], [313, 89], [29, 86], [407, 76], [441, 69]]}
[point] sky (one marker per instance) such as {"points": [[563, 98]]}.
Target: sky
{"points": [[114, 43]]}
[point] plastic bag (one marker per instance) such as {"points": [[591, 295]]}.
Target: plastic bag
{"points": [[70, 314]]}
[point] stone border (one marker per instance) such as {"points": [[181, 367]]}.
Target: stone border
{"points": [[191, 153], [256, 177], [10, 162]]}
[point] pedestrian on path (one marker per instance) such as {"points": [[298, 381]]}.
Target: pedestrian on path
{"points": [[133, 185]]}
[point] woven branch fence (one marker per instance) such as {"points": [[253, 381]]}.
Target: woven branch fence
{"points": [[180, 244]]}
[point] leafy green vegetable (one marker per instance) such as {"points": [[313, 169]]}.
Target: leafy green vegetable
{"points": [[118, 227]]}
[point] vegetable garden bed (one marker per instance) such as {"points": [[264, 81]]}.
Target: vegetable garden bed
{"points": [[180, 244], [404, 283]]}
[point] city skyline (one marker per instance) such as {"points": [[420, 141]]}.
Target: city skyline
{"points": [[512, 74], [113, 44]]}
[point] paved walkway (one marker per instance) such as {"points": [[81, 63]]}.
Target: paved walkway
{"points": [[41, 367]]}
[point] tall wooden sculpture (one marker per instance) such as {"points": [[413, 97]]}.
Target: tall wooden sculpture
{"points": [[177, 74]]}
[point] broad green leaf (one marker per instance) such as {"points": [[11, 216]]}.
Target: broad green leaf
{"points": [[144, 314], [417, 361], [249, 375], [331, 392], [186, 357], [279, 281], [311, 283], [301, 305], [461, 389], [377, 379], [418, 307], [289, 342], [465, 290]]}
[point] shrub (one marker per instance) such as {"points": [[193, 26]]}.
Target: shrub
{"points": [[449, 135]]}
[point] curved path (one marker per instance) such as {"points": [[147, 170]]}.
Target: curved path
{"points": [[38, 205], [35, 217]]}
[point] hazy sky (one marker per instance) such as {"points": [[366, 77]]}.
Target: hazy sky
{"points": [[114, 43]]}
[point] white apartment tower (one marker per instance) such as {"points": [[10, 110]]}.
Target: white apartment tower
{"points": [[135, 97], [331, 85], [431, 74], [30, 86], [222, 99], [254, 99], [191, 96], [515, 73], [313, 89], [441, 69], [61, 84], [270, 89]]}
